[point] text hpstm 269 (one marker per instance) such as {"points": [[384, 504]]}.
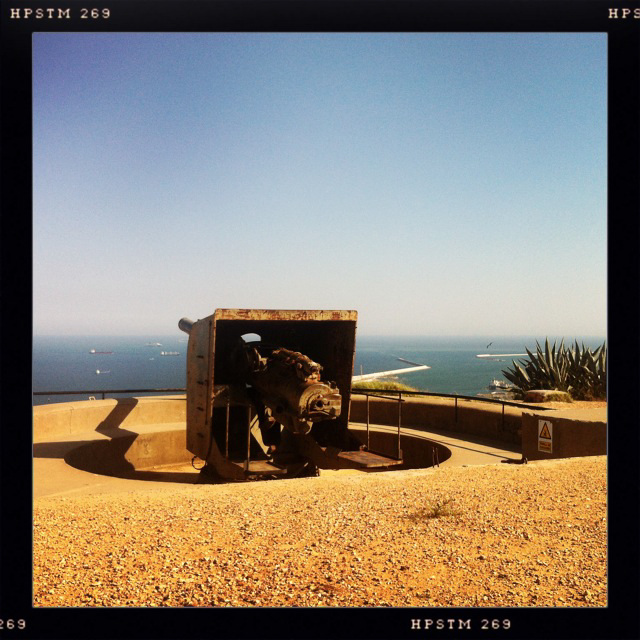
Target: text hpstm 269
{"points": [[58, 13]]}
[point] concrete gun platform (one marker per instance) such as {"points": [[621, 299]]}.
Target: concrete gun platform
{"points": [[129, 443], [118, 459]]}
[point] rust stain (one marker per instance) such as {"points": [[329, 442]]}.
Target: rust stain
{"points": [[285, 314]]}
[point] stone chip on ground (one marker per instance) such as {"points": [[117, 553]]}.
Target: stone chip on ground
{"points": [[491, 536]]}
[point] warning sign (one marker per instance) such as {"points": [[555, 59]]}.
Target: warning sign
{"points": [[545, 436]]}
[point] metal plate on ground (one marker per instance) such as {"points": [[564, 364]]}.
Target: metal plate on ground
{"points": [[261, 467], [368, 459]]}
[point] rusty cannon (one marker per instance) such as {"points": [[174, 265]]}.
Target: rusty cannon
{"points": [[268, 393]]}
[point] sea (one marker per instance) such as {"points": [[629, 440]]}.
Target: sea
{"points": [[93, 364]]}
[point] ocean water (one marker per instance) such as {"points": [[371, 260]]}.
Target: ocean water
{"points": [[66, 364]]}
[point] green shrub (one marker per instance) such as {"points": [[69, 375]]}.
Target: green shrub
{"points": [[579, 371], [441, 508], [382, 384]]}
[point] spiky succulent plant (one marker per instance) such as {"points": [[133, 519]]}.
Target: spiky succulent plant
{"points": [[579, 371]]}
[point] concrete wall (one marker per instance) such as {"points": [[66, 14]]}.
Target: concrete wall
{"points": [[63, 419], [477, 418], [53, 421], [119, 436], [574, 434], [129, 452]]}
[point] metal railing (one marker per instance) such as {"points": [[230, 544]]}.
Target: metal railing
{"points": [[379, 393], [374, 393], [103, 392], [400, 401], [397, 395]]}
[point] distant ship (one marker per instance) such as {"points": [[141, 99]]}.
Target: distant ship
{"points": [[153, 344], [94, 352], [98, 372], [169, 353]]}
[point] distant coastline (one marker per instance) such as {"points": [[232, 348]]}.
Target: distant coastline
{"points": [[63, 363]]}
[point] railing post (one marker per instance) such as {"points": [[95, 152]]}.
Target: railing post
{"points": [[226, 440], [502, 417], [399, 422], [367, 422], [456, 410], [246, 463]]}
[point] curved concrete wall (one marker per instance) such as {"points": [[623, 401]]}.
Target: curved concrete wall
{"points": [[54, 421], [128, 453], [417, 452], [120, 436], [482, 419]]}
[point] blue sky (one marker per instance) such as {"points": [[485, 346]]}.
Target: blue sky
{"points": [[439, 184]]}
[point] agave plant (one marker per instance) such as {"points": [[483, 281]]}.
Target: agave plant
{"points": [[578, 371], [588, 371]]}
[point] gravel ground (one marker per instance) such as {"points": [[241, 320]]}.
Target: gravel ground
{"points": [[497, 535], [576, 404]]}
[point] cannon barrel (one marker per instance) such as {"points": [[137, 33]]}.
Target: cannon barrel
{"points": [[185, 325]]}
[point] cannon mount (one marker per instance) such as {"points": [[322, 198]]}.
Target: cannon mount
{"points": [[268, 392]]}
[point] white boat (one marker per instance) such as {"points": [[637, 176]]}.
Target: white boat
{"points": [[169, 353], [499, 384], [153, 344]]}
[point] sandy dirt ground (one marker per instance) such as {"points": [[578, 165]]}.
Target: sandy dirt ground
{"points": [[576, 404], [514, 535]]}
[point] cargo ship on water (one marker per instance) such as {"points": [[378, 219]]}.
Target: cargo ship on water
{"points": [[97, 353]]}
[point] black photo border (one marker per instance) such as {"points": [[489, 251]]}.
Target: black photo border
{"points": [[615, 18]]}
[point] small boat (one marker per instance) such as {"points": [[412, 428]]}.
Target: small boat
{"points": [[169, 353], [95, 353], [98, 372], [499, 384], [153, 344]]}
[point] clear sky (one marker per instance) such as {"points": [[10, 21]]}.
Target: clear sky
{"points": [[439, 184]]}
